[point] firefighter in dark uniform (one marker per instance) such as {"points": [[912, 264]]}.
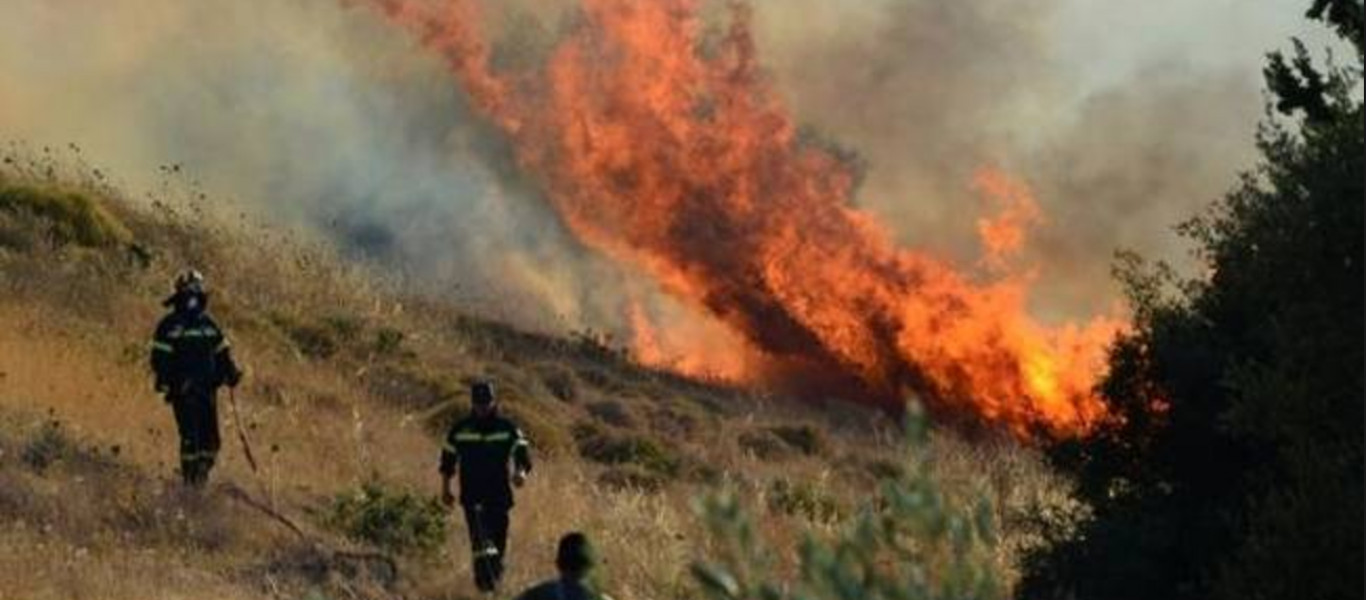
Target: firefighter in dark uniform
{"points": [[491, 455], [192, 359]]}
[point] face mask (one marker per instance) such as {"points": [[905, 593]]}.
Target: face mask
{"points": [[191, 303]]}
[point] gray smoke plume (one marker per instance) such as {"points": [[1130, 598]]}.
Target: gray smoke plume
{"points": [[315, 112], [320, 113], [1125, 118]]}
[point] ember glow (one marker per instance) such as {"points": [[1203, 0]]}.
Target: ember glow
{"points": [[662, 145]]}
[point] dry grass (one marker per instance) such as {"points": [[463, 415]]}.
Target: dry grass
{"points": [[350, 379]]}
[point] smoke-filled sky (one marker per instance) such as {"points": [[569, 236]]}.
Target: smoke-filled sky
{"points": [[1124, 117]]}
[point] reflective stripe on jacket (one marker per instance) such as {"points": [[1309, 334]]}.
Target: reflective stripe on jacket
{"points": [[483, 451]]}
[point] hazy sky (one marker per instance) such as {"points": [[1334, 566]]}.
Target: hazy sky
{"points": [[1109, 41]]}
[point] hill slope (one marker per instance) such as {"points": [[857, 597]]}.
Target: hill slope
{"points": [[350, 382]]}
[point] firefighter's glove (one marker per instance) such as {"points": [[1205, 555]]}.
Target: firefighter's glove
{"points": [[233, 377], [519, 478]]}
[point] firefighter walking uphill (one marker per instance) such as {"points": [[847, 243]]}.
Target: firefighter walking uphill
{"points": [[191, 359], [491, 455]]}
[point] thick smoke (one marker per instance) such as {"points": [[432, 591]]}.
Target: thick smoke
{"points": [[1125, 118], [320, 113], [317, 113]]}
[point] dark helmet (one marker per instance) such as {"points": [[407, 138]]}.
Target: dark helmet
{"points": [[575, 556], [481, 393]]}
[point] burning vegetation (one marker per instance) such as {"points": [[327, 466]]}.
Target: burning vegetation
{"points": [[659, 142]]}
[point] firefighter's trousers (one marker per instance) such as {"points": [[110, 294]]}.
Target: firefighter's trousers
{"points": [[488, 529], [196, 419]]}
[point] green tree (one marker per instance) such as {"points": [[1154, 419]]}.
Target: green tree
{"points": [[1233, 465]]}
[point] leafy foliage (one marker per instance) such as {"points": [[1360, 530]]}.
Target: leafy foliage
{"points": [[1233, 465], [396, 521], [914, 542]]}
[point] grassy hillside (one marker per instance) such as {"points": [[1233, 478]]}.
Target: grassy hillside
{"points": [[349, 383]]}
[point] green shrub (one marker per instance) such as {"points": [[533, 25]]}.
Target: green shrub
{"points": [[804, 438], [602, 379], [609, 448], [396, 521], [388, 342], [346, 328], [884, 469], [560, 381], [71, 216], [762, 444], [314, 342], [804, 500], [611, 412], [631, 477], [781, 441], [47, 445], [915, 542]]}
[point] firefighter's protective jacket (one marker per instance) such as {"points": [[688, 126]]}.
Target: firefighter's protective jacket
{"points": [[481, 449], [562, 589], [190, 351]]}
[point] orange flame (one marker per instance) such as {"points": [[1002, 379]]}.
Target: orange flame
{"points": [[667, 148], [685, 351], [1004, 236]]}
